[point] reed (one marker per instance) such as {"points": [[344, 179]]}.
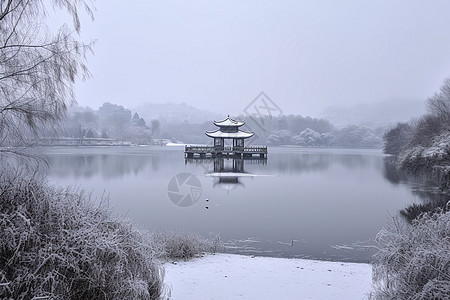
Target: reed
{"points": [[413, 261], [56, 244]]}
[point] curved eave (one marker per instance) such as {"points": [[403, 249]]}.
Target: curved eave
{"points": [[229, 135], [229, 122]]}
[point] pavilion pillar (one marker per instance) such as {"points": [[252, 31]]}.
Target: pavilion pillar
{"points": [[218, 142], [238, 143]]}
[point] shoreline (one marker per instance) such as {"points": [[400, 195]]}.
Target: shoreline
{"points": [[234, 276]]}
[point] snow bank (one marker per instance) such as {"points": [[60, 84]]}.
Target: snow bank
{"points": [[230, 276]]}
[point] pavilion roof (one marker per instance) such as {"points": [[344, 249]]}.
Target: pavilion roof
{"points": [[240, 134], [229, 122]]}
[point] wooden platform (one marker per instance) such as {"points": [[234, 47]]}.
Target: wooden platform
{"points": [[254, 160], [211, 151]]}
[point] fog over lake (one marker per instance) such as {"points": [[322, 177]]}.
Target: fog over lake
{"points": [[300, 202]]}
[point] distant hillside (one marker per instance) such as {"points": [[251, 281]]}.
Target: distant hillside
{"points": [[174, 113], [374, 115]]}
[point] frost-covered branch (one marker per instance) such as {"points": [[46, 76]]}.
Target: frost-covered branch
{"points": [[38, 69]]}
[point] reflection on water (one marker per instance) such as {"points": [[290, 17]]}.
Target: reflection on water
{"points": [[91, 162], [390, 170], [317, 203], [88, 162], [423, 187], [226, 171]]}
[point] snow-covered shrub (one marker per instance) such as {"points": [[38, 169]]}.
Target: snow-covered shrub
{"points": [[357, 136], [442, 176], [326, 139], [310, 137], [420, 159], [413, 261], [298, 140], [412, 160], [183, 244], [438, 203], [281, 137], [55, 244]]}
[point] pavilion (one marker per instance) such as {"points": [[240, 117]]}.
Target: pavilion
{"points": [[228, 129]]}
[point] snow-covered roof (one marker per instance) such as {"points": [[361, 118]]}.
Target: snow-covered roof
{"points": [[229, 122], [229, 135]]}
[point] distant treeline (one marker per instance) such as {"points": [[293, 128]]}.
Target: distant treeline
{"points": [[109, 121], [117, 122], [285, 130]]}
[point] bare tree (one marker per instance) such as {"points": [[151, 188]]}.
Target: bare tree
{"points": [[426, 129], [439, 104], [38, 67], [397, 138]]}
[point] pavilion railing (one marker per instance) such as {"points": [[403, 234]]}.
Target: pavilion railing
{"points": [[201, 149], [212, 149]]}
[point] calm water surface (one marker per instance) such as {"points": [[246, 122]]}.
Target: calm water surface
{"points": [[314, 203]]}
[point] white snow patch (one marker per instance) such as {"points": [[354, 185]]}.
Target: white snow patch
{"points": [[170, 144], [230, 276], [235, 174]]}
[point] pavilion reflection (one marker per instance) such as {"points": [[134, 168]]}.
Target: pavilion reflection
{"points": [[226, 172]]}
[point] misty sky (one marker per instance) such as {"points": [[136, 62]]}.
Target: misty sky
{"points": [[305, 55]]}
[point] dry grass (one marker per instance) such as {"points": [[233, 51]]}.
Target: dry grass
{"points": [[183, 245], [54, 244], [413, 261]]}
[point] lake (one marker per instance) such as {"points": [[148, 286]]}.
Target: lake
{"points": [[324, 204]]}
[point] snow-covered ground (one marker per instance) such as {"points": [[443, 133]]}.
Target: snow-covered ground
{"points": [[230, 276]]}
